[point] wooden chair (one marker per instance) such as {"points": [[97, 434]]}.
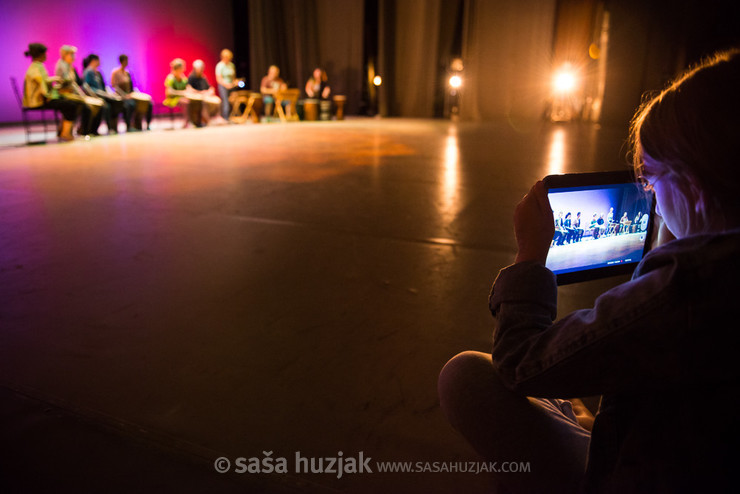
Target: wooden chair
{"points": [[291, 95], [27, 124]]}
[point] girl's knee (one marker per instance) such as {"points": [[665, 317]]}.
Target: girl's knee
{"points": [[464, 365], [460, 375]]}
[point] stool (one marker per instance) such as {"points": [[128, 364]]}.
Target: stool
{"points": [[291, 96], [247, 98]]}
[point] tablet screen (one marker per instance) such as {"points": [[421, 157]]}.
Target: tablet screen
{"points": [[600, 230]]}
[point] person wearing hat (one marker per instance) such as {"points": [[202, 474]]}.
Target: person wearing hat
{"points": [[39, 91]]}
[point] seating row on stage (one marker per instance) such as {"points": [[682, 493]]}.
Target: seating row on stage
{"points": [[90, 102]]}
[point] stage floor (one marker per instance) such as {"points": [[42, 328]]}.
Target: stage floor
{"points": [[589, 252], [239, 290]]}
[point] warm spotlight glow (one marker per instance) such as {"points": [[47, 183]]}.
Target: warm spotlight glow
{"points": [[377, 80], [565, 81], [455, 81], [556, 153], [449, 200]]}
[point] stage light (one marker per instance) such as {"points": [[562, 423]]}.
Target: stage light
{"points": [[455, 81], [377, 80], [565, 81]]}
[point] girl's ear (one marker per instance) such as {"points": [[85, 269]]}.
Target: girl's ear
{"points": [[707, 213]]}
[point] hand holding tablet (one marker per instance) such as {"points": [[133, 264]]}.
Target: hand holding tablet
{"points": [[533, 225]]}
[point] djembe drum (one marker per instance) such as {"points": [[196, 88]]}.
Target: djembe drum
{"points": [[339, 100], [325, 107], [310, 109], [142, 106]]}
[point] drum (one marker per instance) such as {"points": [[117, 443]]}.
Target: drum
{"points": [[212, 99], [142, 101], [339, 100], [106, 95], [325, 106], [212, 104], [93, 102], [310, 109]]}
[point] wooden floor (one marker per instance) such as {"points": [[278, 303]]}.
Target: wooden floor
{"points": [[239, 290]]}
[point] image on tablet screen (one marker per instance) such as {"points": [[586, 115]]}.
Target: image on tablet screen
{"points": [[598, 226]]}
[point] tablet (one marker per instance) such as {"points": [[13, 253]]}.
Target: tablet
{"points": [[603, 225]]}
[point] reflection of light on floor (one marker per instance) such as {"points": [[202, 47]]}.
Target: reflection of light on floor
{"points": [[449, 197], [556, 154]]}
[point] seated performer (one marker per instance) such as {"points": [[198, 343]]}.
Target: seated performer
{"points": [[603, 225], [70, 89], [270, 85], [560, 231], [136, 105], [594, 226], [577, 226], [570, 234], [624, 224], [226, 80], [198, 84], [644, 222], [39, 91], [177, 94], [317, 85], [636, 222], [94, 85]]}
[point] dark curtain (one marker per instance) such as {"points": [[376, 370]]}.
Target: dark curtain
{"points": [[506, 46], [300, 35], [283, 33], [507, 49]]}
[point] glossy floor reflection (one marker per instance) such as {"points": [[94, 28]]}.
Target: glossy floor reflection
{"points": [[238, 290]]}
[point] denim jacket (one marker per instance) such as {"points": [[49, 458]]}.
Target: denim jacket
{"points": [[663, 351]]}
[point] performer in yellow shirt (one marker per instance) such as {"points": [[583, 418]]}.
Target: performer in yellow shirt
{"points": [[39, 91]]}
